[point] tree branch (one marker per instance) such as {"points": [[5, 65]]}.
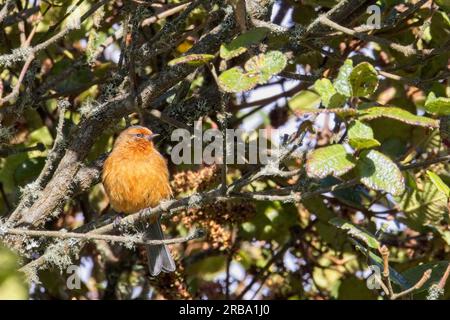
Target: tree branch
{"points": [[134, 239]]}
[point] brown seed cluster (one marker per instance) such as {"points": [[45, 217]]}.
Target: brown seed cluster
{"points": [[195, 181], [172, 285], [216, 219]]}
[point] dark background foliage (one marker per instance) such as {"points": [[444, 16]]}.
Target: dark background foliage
{"points": [[361, 194]]}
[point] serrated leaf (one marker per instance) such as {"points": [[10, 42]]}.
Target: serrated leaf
{"points": [[378, 172], [331, 160], [424, 205], [235, 80], [437, 181], [330, 97], [356, 232], [266, 65], [397, 114], [439, 106], [363, 79], [192, 59], [360, 136], [240, 44], [342, 83]]}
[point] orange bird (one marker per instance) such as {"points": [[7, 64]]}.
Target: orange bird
{"points": [[135, 177]]}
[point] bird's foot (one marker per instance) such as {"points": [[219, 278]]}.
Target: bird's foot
{"points": [[117, 221]]}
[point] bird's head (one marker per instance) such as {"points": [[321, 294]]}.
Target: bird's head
{"points": [[136, 137]]}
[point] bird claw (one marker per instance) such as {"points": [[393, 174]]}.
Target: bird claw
{"points": [[117, 221]]}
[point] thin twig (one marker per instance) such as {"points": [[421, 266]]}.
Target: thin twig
{"points": [[384, 251], [262, 274], [425, 163], [198, 233], [405, 50], [444, 278], [426, 275], [15, 92], [5, 9], [10, 151], [164, 14]]}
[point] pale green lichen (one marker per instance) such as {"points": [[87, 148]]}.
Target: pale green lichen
{"points": [[435, 292], [61, 254]]}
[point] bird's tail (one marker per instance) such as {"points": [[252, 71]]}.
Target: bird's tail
{"points": [[158, 256]]}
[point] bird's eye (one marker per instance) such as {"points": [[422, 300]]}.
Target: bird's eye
{"points": [[139, 135]]}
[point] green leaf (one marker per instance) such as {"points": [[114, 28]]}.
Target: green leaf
{"points": [[331, 160], [28, 170], [396, 277], [439, 106], [265, 65], [353, 288], [272, 222], [258, 69], [330, 98], [440, 27], [342, 83], [397, 114], [235, 80], [423, 205], [356, 232], [363, 79], [12, 285], [437, 181], [360, 136], [209, 267], [240, 44], [378, 172], [304, 100], [192, 59], [444, 4]]}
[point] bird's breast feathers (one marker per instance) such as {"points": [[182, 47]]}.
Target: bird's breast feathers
{"points": [[137, 182]]}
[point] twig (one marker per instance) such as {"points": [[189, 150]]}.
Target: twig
{"points": [[296, 76], [9, 151], [5, 9], [165, 118], [136, 239], [262, 274], [24, 53], [405, 50], [384, 251], [15, 92], [426, 275], [51, 163], [425, 163], [444, 278], [165, 14]]}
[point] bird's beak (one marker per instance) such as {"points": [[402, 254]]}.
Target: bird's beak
{"points": [[152, 136]]}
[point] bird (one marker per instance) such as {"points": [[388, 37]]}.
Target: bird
{"points": [[135, 176]]}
